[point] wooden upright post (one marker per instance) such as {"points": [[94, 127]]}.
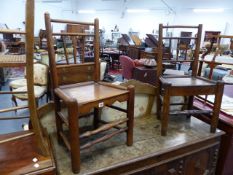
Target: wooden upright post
{"points": [[43, 148]]}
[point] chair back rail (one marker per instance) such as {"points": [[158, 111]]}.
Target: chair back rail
{"points": [[75, 73]]}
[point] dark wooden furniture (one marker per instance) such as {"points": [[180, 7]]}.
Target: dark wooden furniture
{"points": [[134, 52], [12, 43], [226, 124], [185, 86], [77, 87], [18, 149], [112, 57], [145, 74], [151, 41], [208, 36], [128, 47], [183, 44]]}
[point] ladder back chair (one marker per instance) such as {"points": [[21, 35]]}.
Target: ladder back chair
{"points": [[174, 85], [215, 61], [22, 137], [76, 86]]}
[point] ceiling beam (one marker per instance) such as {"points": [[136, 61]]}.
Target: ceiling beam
{"points": [[169, 8]]}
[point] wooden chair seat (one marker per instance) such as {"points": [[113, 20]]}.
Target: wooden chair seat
{"points": [[189, 86], [39, 91], [187, 81], [40, 77], [96, 92], [18, 83]]}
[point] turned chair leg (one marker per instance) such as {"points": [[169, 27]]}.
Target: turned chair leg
{"points": [[74, 136], [130, 116], [165, 110], [217, 106], [159, 106], [14, 100], [96, 117], [57, 105], [190, 105]]}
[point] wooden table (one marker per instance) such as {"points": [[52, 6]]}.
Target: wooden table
{"points": [[113, 57], [189, 148]]}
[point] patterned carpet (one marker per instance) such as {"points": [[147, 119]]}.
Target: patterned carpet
{"points": [[13, 72]]}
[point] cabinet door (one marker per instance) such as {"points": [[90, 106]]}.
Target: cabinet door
{"points": [[196, 163], [202, 163]]}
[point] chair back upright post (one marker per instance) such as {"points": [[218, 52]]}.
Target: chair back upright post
{"points": [[30, 78], [160, 55], [96, 50], [197, 51], [51, 51]]}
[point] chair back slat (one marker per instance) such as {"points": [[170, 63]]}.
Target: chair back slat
{"points": [[74, 74]]}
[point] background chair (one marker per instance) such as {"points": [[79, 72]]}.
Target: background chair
{"points": [[185, 86], [40, 84], [128, 66]]}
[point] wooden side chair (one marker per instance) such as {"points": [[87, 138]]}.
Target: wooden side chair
{"points": [[185, 86], [19, 148], [76, 86]]}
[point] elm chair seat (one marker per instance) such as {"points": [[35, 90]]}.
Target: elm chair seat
{"points": [[39, 91], [18, 83], [40, 84]]}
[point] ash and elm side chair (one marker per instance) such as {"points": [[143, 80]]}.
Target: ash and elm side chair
{"points": [[185, 85], [77, 87]]}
